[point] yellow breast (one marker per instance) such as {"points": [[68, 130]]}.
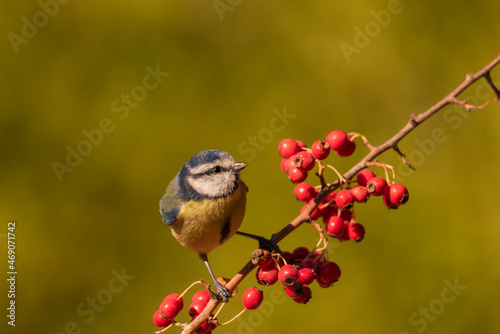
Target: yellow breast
{"points": [[204, 225]]}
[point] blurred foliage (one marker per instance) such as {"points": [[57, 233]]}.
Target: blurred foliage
{"points": [[227, 79]]}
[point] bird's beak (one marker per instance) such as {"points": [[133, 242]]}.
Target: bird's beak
{"points": [[239, 166]]}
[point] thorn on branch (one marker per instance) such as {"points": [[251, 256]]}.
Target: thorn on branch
{"points": [[403, 156], [487, 76]]}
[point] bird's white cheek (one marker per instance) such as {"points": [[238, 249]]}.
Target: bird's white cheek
{"points": [[212, 186], [202, 186]]}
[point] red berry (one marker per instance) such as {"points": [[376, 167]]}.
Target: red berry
{"points": [[344, 199], [196, 308], [202, 296], [306, 276], [283, 165], [262, 258], [160, 320], [356, 231], [331, 196], [296, 175], [360, 194], [267, 262], [288, 147], [347, 150], [396, 194], [309, 263], [305, 192], [213, 325], [387, 201], [335, 226], [364, 176], [328, 205], [316, 213], [377, 186], [176, 296], [346, 215], [290, 163], [345, 233], [299, 254], [288, 275], [329, 273], [204, 328], [320, 149], [337, 139], [252, 298], [331, 211], [318, 257], [294, 290], [267, 275], [288, 257], [305, 296], [301, 144], [321, 283], [171, 306], [304, 161]]}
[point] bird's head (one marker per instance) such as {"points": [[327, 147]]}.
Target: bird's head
{"points": [[211, 174]]}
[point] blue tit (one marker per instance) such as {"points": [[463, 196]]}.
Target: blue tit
{"points": [[204, 205]]}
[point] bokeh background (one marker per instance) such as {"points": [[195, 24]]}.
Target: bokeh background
{"points": [[232, 68]]}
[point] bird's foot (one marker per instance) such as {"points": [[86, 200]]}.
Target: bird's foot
{"points": [[222, 292], [268, 245], [264, 243]]}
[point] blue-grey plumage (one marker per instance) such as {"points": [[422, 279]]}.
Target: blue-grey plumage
{"points": [[204, 204]]}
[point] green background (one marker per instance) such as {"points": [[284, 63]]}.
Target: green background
{"points": [[228, 76]]}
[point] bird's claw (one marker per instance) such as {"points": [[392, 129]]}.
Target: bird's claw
{"points": [[222, 292], [268, 245]]}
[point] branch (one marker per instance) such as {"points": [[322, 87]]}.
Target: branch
{"points": [[413, 122]]}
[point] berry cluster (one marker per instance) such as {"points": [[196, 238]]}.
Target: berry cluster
{"points": [[296, 271], [337, 210], [298, 160], [169, 309], [171, 306]]}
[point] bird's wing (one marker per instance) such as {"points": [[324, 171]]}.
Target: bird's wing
{"points": [[170, 205]]}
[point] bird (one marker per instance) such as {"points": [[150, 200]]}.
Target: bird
{"points": [[204, 205]]}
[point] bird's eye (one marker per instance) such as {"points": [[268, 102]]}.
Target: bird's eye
{"points": [[217, 169]]}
